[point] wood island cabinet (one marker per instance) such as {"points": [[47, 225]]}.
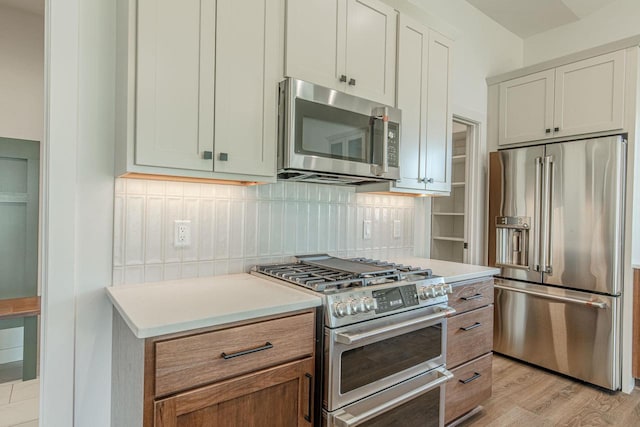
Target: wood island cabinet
{"points": [[253, 373], [469, 345]]}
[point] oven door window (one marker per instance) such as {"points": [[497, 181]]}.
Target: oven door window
{"points": [[330, 132], [423, 411], [372, 362]]}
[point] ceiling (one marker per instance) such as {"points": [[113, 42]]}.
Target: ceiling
{"points": [[529, 17], [30, 6]]}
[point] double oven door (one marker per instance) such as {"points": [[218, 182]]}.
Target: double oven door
{"points": [[385, 368]]}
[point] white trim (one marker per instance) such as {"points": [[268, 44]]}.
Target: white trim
{"points": [[58, 213], [476, 179]]}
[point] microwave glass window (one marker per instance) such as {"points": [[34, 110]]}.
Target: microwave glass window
{"points": [[367, 364], [331, 132]]}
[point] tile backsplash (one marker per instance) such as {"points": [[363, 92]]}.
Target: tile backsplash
{"points": [[234, 227]]}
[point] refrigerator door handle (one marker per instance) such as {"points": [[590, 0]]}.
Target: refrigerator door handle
{"points": [[536, 216], [588, 303], [547, 216]]}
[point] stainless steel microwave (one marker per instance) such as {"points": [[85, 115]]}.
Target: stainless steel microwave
{"points": [[328, 136]]}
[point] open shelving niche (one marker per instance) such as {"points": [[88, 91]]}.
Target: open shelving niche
{"points": [[449, 214]]}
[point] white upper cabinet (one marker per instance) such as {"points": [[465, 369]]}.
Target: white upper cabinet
{"points": [[424, 80], [169, 87], [204, 76], [590, 95], [246, 87], [347, 45], [439, 115], [578, 98], [526, 108]]}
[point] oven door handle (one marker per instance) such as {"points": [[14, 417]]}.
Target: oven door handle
{"points": [[348, 339], [350, 420]]}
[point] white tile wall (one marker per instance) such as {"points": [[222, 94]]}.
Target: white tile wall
{"points": [[234, 228]]}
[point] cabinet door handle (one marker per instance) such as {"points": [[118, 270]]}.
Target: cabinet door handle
{"points": [[547, 130], [352, 82], [473, 378], [207, 155], [343, 78], [468, 328], [226, 356], [310, 397], [224, 157], [472, 297], [556, 129]]}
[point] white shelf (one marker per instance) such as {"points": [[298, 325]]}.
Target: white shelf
{"points": [[449, 239], [459, 157], [458, 184], [449, 213]]}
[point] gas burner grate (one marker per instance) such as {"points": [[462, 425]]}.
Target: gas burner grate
{"points": [[407, 269]]}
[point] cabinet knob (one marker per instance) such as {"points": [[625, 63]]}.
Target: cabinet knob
{"points": [[352, 82], [556, 129], [207, 155], [548, 130], [223, 157], [343, 78], [429, 180]]}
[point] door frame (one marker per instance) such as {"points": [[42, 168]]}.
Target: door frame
{"points": [[476, 175]]}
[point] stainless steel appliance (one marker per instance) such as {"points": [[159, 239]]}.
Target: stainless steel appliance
{"points": [[381, 339], [557, 225], [331, 137]]}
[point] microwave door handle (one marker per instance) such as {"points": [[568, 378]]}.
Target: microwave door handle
{"points": [[352, 420], [382, 113]]}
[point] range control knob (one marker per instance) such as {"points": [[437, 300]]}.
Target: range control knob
{"points": [[440, 290], [427, 292], [370, 304], [447, 288], [357, 306], [340, 309]]}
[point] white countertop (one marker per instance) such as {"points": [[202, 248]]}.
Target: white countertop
{"points": [[159, 308], [451, 271]]}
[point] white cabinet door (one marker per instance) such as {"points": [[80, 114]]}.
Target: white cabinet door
{"points": [[246, 86], [439, 116], [312, 41], [413, 56], [170, 77], [526, 108], [589, 95], [371, 50]]}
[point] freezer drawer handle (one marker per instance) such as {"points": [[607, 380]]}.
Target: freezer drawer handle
{"points": [[266, 346], [472, 297], [596, 304], [473, 378], [468, 328]]}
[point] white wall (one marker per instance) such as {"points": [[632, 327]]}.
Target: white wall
{"points": [[613, 22], [21, 74], [78, 213], [234, 227]]}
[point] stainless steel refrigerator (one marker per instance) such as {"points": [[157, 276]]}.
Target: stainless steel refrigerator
{"points": [[556, 233]]}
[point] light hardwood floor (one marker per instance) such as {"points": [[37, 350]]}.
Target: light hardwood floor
{"points": [[527, 396]]}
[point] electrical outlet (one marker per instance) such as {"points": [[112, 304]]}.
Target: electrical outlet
{"points": [[397, 229], [182, 233], [366, 229]]}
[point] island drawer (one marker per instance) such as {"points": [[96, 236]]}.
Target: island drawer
{"points": [[471, 294], [469, 387], [187, 362], [469, 335]]}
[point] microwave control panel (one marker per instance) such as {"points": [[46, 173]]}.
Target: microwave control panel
{"points": [[393, 143]]}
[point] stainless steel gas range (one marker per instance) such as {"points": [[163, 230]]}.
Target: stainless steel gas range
{"points": [[381, 341]]}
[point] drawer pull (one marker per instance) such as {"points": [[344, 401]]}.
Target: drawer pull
{"points": [[472, 297], [310, 401], [267, 346], [468, 328], [473, 378]]}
